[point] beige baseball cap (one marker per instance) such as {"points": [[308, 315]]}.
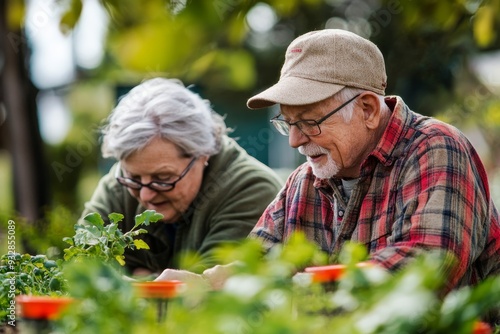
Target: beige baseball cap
{"points": [[320, 63]]}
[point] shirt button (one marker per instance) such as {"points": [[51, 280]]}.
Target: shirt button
{"points": [[341, 213]]}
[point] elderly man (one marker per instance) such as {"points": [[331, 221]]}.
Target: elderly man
{"points": [[377, 173]]}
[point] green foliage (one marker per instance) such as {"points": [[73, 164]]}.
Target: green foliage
{"points": [[183, 38], [104, 302], [264, 296], [203, 42], [46, 237], [38, 275], [106, 242], [41, 237], [267, 295], [29, 275]]}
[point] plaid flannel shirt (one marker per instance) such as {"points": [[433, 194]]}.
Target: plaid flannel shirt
{"points": [[423, 187]]}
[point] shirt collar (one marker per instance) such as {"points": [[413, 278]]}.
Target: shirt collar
{"points": [[392, 143]]}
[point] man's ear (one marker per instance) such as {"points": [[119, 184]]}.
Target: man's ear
{"points": [[370, 105]]}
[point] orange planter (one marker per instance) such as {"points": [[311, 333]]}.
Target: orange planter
{"points": [[481, 328], [41, 307], [330, 273], [160, 289]]}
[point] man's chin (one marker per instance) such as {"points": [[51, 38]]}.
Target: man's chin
{"points": [[322, 176], [322, 172], [170, 217]]}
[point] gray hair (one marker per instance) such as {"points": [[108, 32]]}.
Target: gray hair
{"points": [[349, 92], [165, 108]]}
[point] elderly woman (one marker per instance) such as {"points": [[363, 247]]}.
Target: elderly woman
{"points": [[174, 157]]}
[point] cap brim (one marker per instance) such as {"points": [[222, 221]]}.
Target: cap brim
{"points": [[293, 91]]}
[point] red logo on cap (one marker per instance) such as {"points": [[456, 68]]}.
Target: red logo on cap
{"points": [[296, 50]]}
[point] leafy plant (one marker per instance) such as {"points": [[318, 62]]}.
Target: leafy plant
{"points": [[273, 294], [107, 242], [38, 275], [30, 275]]}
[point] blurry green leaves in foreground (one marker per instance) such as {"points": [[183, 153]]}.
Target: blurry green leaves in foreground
{"points": [[265, 295], [105, 303]]}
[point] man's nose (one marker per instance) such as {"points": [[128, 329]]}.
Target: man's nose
{"points": [[296, 138]]}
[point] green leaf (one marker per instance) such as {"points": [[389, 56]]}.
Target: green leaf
{"points": [[111, 229], [298, 250], [137, 232], [50, 264], [353, 253], [38, 258], [147, 217], [69, 240], [95, 219], [86, 235], [115, 217], [103, 240], [120, 259], [69, 253], [118, 248], [140, 244], [55, 284]]}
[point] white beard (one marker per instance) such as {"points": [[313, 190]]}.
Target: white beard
{"points": [[322, 171]]}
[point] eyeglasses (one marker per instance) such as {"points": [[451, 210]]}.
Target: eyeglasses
{"points": [[153, 185], [309, 127]]}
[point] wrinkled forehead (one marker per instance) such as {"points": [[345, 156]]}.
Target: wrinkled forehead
{"points": [[306, 111]]}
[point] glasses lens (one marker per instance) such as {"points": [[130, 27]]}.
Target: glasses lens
{"points": [[282, 126], [308, 127], [129, 183], [161, 186]]}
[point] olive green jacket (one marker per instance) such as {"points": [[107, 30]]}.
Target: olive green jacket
{"points": [[236, 190]]}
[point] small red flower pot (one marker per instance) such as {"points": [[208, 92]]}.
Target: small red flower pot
{"points": [[159, 289], [41, 307], [330, 273]]}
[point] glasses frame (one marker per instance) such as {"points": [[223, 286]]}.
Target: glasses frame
{"points": [[157, 186], [284, 126]]}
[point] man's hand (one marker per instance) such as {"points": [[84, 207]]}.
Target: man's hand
{"points": [[184, 276], [213, 278], [218, 275]]}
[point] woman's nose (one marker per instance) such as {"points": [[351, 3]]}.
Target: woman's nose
{"points": [[146, 194]]}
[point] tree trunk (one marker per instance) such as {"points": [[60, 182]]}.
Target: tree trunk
{"points": [[20, 131]]}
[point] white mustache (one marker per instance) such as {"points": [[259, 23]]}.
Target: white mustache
{"points": [[312, 150]]}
